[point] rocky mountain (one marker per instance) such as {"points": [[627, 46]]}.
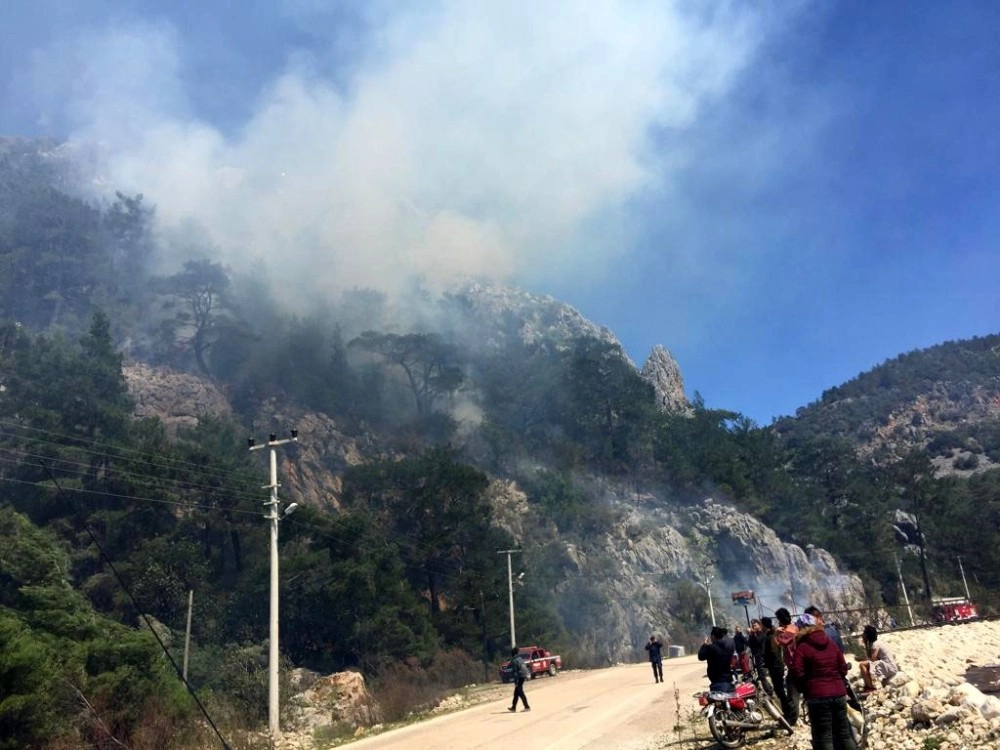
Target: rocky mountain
{"points": [[944, 400], [651, 549]]}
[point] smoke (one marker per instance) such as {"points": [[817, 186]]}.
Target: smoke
{"points": [[501, 140]]}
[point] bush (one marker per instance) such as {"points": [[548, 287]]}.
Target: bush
{"points": [[407, 687], [966, 462]]}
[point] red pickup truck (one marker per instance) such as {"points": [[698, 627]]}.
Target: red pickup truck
{"points": [[539, 660]]}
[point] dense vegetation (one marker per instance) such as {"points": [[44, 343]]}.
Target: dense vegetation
{"points": [[107, 521], [951, 381]]}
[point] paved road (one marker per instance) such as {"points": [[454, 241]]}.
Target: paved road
{"points": [[619, 708]]}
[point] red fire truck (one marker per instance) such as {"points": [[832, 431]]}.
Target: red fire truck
{"points": [[953, 609]]}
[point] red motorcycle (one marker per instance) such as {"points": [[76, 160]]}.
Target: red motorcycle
{"points": [[731, 715]]}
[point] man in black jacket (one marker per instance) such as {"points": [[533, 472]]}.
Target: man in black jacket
{"points": [[717, 650], [757, 642], [655, 649]]}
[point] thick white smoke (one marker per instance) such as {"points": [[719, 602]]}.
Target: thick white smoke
{"points": [[474, 138]]}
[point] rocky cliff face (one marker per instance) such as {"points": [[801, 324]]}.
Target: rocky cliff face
{"points": [[636, 564], [662, 372], [656, 546], [177, 399], [508, 313]]}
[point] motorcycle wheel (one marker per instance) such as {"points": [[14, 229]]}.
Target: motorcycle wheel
{"points": [[720, 724]]}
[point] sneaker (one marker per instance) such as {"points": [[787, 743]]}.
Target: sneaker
{"points": [[527, 708], [512, 710]]}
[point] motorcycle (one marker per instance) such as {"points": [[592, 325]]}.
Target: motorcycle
{"points": [[731, 715]]}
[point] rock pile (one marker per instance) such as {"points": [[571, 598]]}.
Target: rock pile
{"points": [[929, 704]]}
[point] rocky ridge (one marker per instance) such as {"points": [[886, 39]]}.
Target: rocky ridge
{"points": [[531, 318], [651, 547], [662, 372]]}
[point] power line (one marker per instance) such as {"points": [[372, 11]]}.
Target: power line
{"points": [[145, 617], [152, 459], [118, 496]]}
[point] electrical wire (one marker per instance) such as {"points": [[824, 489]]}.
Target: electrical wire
{"points": [[145, 617]]}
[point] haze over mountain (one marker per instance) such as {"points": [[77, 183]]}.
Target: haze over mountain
{"points": [[435, 427], [783, 195]]}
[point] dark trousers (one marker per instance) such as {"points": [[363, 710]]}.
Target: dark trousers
{"points": [[762, 677], [831, 729], [519, 693], [657, 670], [787, 694]]}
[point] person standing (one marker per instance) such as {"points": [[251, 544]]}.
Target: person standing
{"points": [[756, 642], [831, 632], [784, 638], [818, 669], [774, 663], [742, 659], [655, 649], [739, 640], [521, 673], [718, 651]]}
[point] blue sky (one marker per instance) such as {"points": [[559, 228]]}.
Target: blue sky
{"points": [[783, 195]]}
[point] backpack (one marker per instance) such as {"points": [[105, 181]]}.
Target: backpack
{"points": [[784, 640], [523, 670]]}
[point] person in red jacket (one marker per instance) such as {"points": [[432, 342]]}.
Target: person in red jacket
{"points": [[818, 668]]}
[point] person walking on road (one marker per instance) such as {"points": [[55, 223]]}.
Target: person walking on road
{"points": [[655, 649], [521, 673]]}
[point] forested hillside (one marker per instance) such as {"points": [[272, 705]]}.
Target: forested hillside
{"points": [[945, 400], [108, 519]]}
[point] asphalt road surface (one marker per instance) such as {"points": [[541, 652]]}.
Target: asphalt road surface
{"points": [[619, 708]]}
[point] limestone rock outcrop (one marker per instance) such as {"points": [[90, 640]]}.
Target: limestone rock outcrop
{"points": [[507, 314], [656, 545], [178, 399], [662, 372], [329, 701]]}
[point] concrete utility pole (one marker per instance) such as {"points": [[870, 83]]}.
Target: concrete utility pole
{"points": [[187, 634], [274, 516], [965, 583], [707, 586], [906, 598], [510, 592]]}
